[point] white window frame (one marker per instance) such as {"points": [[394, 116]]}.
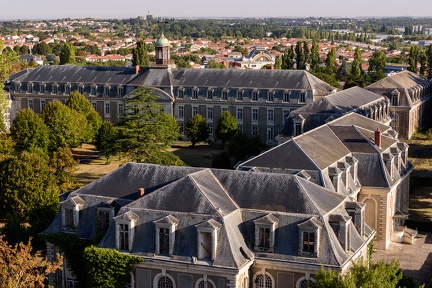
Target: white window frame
{"points": [[128, 218], [270, 96], [180, 111], [194, 111], [159, 276], [168, 222], [107, 108], [239, 114], [255, 114], [264, 274], [269, 222], [270, 115], [255, 95], [209, 113]]}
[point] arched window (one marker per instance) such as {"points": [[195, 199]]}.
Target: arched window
{"points": [[205, 284], [263, 281], [165, 282], [305, 283]]}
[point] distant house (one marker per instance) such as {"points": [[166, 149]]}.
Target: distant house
{"points": [[196, 227], [410, 101], [353, 156]]}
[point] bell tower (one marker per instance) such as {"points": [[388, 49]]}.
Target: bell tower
{"points": [[162, 51]]}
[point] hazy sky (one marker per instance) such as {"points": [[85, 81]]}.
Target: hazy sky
{"points": [[50, 9]]}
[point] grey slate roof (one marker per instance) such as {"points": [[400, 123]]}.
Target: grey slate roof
{"points": [[78, 74], [405, 79], [330, 107], [223, 199]]}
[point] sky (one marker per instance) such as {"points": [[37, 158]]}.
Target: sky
{"points": [[57, 9]]}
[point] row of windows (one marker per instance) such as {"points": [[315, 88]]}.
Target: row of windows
{"points": [[67, 89], [239, 113], [239, 95], [107, 106]]}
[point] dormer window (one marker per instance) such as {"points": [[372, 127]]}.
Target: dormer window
{"points": [[265, 228], [42, 88], [180, 92], [286, 96], [165, 235], [93, 90], [357, 212], [81, 88], [224, 95], [54, 88], [341, 227], [255, 95], [207, 234], [70, 210], [270, 95], [335, 175], [388, 159], [397, 157], [309, 233], [106, 91], [17, 87], [302, 97], [29, 87], [404, 152], [195, 93], [298, 123], [120, 91], [67, 89], [210, 92], [353, 162], [345, 173], [240, 95], [125, 230], [395, 98], [105, 212]]}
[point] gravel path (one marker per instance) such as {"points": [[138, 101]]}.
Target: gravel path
{"points": [[415, 260]]}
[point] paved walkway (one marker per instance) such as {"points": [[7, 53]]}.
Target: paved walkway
{"points": [[415, 260]]}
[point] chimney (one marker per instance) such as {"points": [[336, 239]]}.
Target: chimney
{"points": [[378, 138], [140, 192], [137, 69]]}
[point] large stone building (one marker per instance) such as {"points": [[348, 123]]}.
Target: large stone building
{"points": [[196, 227], [410, 101], [353, 156], [259, 99]]}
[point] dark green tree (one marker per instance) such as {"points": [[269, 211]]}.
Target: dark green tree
{"points": [[213, 64], [140, 56], [429, 57], [314, 57], [300, 56], [226, 127], [30, 132], [278, 63], [288, 58], [197, 129], [6, 60], [82, 105], [423, 59], [242, 146], [145, 131], [306, 52], [413, 58], [67, 127], [41, 48], [377, 64], [106, 140], [330, 62], [67, 54], [356, 67]]}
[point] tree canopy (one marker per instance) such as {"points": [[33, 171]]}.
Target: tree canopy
{"points": [[197, 129], [145, 131], [139, 55], [67, 54], [226, 127]]}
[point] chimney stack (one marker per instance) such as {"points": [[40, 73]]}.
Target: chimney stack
{"points": [[140, 192], [137, 69], [378, 138]]}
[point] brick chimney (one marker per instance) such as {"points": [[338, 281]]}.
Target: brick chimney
{"points": [[378, 138], [137, 69], [140, 192]]}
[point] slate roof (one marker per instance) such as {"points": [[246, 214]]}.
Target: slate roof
{"points": [[223, 199], [405, 79], [331, 107], [78, 74]]}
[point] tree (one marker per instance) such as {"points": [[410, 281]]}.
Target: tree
{"points": [[381, 274], [413, 59], [429, 60], [197, 129], [377, 64], [278, 63], [6, 61], [82, 105], [300, 57], [139, 55], [145, 131], [242, 146], [288, 59], [356, 69], [30, 132], [422, 57], [67, 54], [26, 180], [107, 267], [106, 140], [213, 64], [330, 62], [67, 127], [226, 127], [314, 58], [41, 48], [20, 268]]}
